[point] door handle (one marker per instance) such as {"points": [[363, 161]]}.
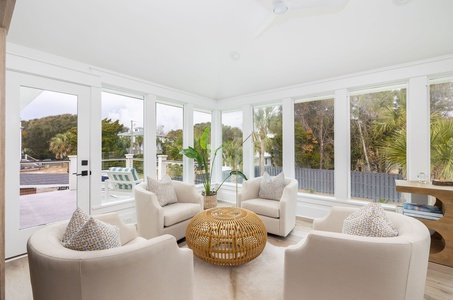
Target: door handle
{"points": [[84, 173]]}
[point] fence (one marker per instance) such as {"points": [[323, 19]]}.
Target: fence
{"points": [[374, 186]]}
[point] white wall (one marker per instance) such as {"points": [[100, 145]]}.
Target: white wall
{"points": [[416, 74]]}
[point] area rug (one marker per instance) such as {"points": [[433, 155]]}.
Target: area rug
{"points": [[262, 278]]}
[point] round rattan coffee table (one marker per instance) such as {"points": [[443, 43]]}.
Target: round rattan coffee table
{"points": [[226, 236]]}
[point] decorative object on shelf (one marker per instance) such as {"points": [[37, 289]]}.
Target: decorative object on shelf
{"points": [[204, 167], [422, 177], [442, 182]]}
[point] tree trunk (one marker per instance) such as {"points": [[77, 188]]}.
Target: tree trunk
{"points": [[365, 154]]}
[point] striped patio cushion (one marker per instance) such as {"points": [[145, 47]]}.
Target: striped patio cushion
{"points": [[124, 177]]}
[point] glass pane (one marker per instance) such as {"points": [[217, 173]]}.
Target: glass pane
{"points": [[232, 139], [378, 144], [169, 141], [49, 139], [201, 123], [314, 143], [267, 123], [442, 130], [122, 145]]}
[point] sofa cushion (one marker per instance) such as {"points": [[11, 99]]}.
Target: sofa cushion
{"points": [[263, 207], [95, 235], [370, 220], [78, 219], [178, 212], [272, 187], [164, 190]]}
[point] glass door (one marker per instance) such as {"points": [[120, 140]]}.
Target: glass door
{"points": [[47, 155]]}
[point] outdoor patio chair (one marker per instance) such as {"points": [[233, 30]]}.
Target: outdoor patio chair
{"points": [[121, 181]]}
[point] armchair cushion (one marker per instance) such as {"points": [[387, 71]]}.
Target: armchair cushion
{"points": [[272, 187], [178, 212], [163, 189], [263, 207], [95, 235], [370, 220]]}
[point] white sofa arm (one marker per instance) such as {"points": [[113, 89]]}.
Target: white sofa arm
{"points": [[128, 232], [187, 193], [288, 205], [334, 220], [150, 215], [249, 190]]}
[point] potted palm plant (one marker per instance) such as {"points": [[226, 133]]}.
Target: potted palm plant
{"points": [[204, 167]]}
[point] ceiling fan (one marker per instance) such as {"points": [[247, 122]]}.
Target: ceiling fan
{"points": [[280, 8]]}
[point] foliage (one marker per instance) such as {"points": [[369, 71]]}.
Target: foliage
{"points": [[111, 141], [314, 134], [172, 144], [60, 145], [267, 120], [37, 133], [204, 166]]}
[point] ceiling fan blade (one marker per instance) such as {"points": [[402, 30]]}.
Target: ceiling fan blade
{"points": [[265, 25]]}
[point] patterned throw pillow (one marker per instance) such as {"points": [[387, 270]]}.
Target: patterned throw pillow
{"points": [[370, 220], [272, 187], [78, 219], [95, 235], [163, 189]]}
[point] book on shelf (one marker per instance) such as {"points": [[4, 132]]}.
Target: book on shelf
{"points": [[423, 215], [407, 206]]}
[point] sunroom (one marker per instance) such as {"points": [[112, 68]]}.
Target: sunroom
{"points": [[346, 97]]}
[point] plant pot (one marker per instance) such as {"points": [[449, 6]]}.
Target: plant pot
{"points": [[210, 201]]}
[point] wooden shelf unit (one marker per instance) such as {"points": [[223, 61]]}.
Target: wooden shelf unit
{"points": [[442, 240]]}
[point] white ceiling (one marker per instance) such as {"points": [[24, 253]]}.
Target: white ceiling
{"points": [[187, 44]]}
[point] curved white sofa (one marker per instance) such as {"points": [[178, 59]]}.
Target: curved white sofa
{"points": [[154, 220], [279, 217], [139, 269], [328, 264]]}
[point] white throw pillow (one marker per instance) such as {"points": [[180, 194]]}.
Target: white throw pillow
{"points": [[163, 189], [95, 235], [272, 187], [370, 220]]}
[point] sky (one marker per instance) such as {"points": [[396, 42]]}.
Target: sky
{"points": [[38, 104]]}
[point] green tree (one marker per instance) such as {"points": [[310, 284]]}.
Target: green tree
{"points": [[316, 119], [265, 119], [60, 145], [37, 133], [111, 142], [172, 145]]}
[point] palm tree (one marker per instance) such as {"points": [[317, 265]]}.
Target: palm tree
{"points": [[263, 122], [442, 148], [60, 145]]}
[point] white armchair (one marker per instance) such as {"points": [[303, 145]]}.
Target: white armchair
{"points": [[139, 269], [279, 217], [154, 220], [328, 264]]}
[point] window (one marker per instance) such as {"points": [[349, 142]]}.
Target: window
{"points": [[314, 143], [267, 122], [441, 103], [49, 127], [378, 143], [122, 138], [169, 140], [201, 121], [232, 139]]}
